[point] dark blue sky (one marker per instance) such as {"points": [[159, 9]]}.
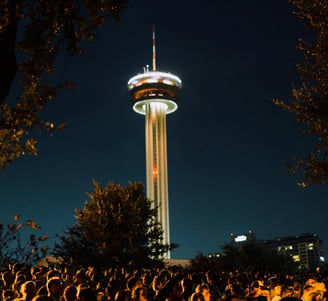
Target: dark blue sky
{"points": [[226, 143]]}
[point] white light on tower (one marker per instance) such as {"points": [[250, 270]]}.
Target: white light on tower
{"points": [[241, 238], [155, 94]]}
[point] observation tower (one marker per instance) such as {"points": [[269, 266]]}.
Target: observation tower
{"points": [[155, 94]]}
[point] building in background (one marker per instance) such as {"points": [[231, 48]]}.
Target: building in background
{"points": [[305, 249]]}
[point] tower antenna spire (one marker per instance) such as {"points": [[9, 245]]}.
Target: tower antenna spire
{"points": [[154, 50]]}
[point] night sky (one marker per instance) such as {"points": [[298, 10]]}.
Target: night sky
{"points": [[226, 142]]}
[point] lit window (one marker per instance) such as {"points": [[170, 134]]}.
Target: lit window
{"points": [[296, 258]]}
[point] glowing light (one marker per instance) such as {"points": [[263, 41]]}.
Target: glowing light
{"points": [[155, 172], [296, 258], [157, 105], [310, 246], [322, 258], [154, 49], [285, 248], [140, 106], [151, 80], [168, 82], [154, 77], [241, 238]]}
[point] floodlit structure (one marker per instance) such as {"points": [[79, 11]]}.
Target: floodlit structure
{"points": [[155, 94]]}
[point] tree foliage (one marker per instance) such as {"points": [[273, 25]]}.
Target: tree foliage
{"points": [[310, 97], [16, 248], [37, 30], [115, 228]]}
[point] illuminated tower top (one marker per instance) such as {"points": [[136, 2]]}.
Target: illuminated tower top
{"points": [[154, 86]]}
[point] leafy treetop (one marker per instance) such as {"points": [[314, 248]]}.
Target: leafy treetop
{"points": [[310, 98], [48, 26], [116, 228]]}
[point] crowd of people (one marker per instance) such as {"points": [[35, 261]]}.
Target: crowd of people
{"points": [[22, 283]]}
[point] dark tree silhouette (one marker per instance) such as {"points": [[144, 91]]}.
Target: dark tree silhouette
{"points": [[231, 259], [115, 228], [201, 263], [248, 257], [258, 257], [38, 30], [310, 97], [17, 247]]}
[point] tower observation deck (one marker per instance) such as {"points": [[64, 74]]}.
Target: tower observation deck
{"points": [[155, 94]]}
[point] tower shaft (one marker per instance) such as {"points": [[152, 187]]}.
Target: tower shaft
{"points": [[156, 164]]}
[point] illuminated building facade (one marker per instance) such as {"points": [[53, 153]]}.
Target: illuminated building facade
{"points": [[155, 94], [305, 249]]}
